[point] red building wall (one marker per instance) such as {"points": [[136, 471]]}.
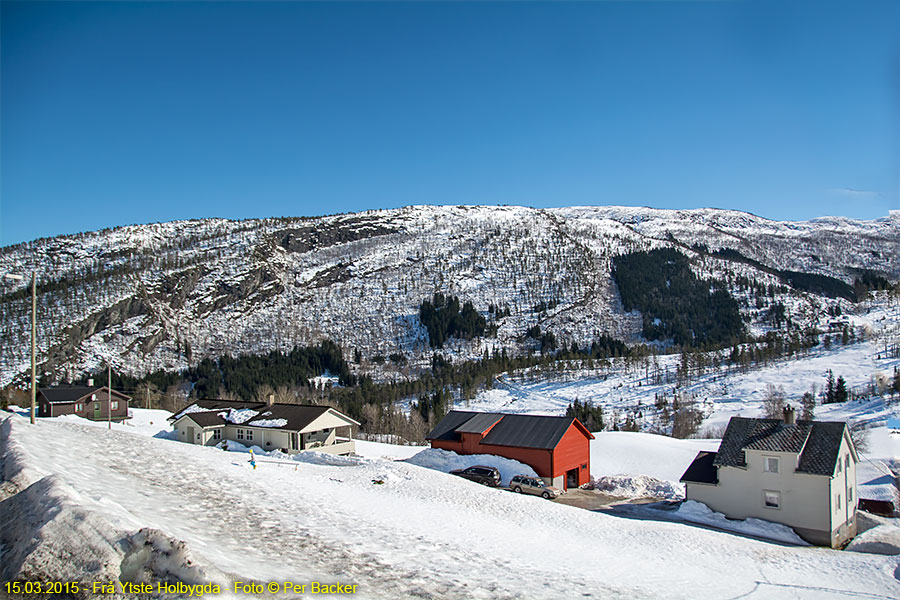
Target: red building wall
{"points": [[573, 452]]}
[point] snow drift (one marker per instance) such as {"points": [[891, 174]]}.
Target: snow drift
{"points": [[447, 460]]}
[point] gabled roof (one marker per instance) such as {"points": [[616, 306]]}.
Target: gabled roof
{"points": [[702, 469], [817, 442], [62, 394], [521, 431], [291, 417], [479, 423]]}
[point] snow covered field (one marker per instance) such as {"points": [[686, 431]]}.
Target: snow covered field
{"points": [[419, 534]]}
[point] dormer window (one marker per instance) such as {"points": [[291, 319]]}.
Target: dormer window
{"points": [[770, 464]]}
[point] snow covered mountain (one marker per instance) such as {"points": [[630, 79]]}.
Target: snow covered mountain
{"points": [[166, 295]]}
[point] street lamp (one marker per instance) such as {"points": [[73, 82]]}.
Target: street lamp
{"points": [[33, 336]]}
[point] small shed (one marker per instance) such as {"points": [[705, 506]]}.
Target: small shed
{"points": [[557, 448]]}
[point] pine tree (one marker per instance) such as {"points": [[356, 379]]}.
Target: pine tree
{"points": [[840, 390], [829, 388]]}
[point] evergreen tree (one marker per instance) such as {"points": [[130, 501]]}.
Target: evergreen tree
{"points": [[829, 387], [840, 390]]}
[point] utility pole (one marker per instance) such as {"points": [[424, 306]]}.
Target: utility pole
{"points": [[109, 395], [33, 344]]}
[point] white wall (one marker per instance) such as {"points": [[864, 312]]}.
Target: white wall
{"points": [[805, 498]]}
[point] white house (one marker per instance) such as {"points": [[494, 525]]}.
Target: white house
{"points": [[800, 473], [290, 428]]}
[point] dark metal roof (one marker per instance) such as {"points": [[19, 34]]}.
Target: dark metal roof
{"points": [[817, 442], [297, 416], [702, 469], [479, 423], [521, 431], [73, 393], [215, 412], [446, 428]]}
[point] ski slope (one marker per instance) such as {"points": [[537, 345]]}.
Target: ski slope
{"points": [[419, 534]]}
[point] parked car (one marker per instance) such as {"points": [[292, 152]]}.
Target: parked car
{"points": [[480, 474], [526, 484]]}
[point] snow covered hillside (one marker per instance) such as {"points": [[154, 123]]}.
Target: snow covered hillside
{"points": [[629, 389], [167, 295], [79, 498]]}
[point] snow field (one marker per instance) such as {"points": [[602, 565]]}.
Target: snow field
{"points": [[421, 533]]}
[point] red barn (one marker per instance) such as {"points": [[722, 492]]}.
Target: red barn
{"points": [[557, 448]]}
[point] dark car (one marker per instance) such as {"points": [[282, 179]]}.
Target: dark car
{"points": [[480, 474]]}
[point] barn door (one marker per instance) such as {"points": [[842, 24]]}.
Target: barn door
{"points": [[572, 478], [191, 434]]}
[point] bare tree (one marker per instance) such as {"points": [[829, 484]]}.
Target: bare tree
{"points": [[773, 402], [808, 402], [860, 436]]}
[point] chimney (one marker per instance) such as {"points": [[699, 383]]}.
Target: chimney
{"points": [[789, 418], [91, 382], [271, 400]]}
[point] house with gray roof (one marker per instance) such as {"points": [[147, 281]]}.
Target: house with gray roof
{"points": [[94, 402], [557, 448], [799, 473], [290, 428]]}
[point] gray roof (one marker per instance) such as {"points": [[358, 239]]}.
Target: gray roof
{"points": [[817, 442], [521, 431], [479, 423], [62, 394], [297, 416], [702, 469]]}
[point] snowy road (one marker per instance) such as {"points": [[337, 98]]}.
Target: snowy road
{"points": [[420, 534]]}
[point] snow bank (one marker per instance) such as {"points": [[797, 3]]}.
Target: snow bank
{"points": [[55, 537], [388, 451], [658, 456], [638, 486], [697, 512], [883, 539], [308, 456], [446, 460]]}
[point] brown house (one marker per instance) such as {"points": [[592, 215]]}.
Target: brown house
{"points": [[90, 402], [557, 448]]}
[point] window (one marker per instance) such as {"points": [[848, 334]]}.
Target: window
{"points": [[837, 501], [847, 461], [839, 466], [217, 434], [96, 406], [772, 499], [79, 406], [584, 467], [115, 404], [240, 434], [849, 496], [770, 464], [249, 434]]}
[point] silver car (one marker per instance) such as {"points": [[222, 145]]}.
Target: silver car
{"points": [[526, 484]]}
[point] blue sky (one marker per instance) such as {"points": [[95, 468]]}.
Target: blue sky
{"points": [[126, 112]]}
